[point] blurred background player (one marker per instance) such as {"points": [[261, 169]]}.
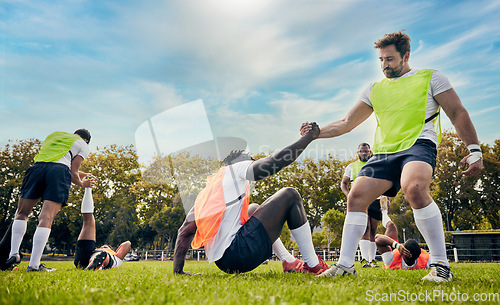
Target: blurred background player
{"points": [[86, 255], [56, 166], [367, 243]]}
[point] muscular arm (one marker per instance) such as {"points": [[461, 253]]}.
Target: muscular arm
{"points": [[184, 237], [76, 175], [344, 185], [358, 113], [269, 166], [460, 118]]}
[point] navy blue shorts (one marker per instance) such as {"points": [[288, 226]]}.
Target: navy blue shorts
{"points": [[250, 247], [84, 250], [48, 181], [374, 210], [390, 166]]}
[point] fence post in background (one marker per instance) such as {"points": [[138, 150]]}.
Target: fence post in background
{"points": [[198, 252], [146, 258], [162, 255], [455, 253], [324, 255]]}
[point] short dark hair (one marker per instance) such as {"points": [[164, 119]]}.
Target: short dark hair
{"points": [[399, 39], [413, 247], [235, 154], [84, 134], [363, 144]]}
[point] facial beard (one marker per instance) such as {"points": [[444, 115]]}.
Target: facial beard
{"points": [[394, 72], [364, 159]]}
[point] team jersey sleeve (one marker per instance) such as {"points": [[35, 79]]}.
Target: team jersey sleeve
{"points": [[439, 83], [365, 95], [348, 171]]}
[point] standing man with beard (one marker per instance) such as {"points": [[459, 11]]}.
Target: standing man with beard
{"points": [[367, 244], [407, 106]]}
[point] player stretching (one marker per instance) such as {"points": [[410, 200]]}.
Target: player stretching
{"points": [[239, 237], [86, 255], [406, 104], [56, 166]]}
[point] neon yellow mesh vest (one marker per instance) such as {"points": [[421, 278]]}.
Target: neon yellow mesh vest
{"points": [[400, 106], [356, 167], [55, 146]]}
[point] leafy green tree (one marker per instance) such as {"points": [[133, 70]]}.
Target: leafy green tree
{"points": [[333, 222], [490, 184], [166, 223], [453, 192], [15, 158]]}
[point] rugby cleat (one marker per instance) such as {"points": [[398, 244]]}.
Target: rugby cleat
{"points": [[42, 267], [365, 264], [373, 264], [439, 273], [12, 262], [338, 270], [295, 266], [319, 268], [97, 261]]}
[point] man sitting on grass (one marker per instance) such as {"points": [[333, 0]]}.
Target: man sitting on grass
{"points": [[407, 256], [237, 236], [87, 256]]}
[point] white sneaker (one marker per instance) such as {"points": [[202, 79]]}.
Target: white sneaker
{"points": [[338, 270], [439, 273]]}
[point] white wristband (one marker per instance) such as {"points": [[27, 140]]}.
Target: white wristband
{"points": [[476, 153], [395, 245]]}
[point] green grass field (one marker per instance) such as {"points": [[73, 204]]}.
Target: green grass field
{"points": [[153, 282]]}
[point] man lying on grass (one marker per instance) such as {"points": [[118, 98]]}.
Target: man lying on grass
{"points": [[237, 236], [87, 256], [407, 256]]}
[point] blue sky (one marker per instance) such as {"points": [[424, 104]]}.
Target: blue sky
{"points": [[261, 67]]}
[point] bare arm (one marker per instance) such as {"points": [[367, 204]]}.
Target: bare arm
{"points": [[384, 243], [358, 113], [269, 166], [344, 185], [76, 177], [460, 118], [184, 237]]}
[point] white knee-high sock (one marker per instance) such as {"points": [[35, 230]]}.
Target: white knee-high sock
{"points": [[87, 201], [430, 223], [40, 239], [385, 218], [354, 228], [303, 237], [282, 252], [373, 250], [18, 231], [364, 247]]}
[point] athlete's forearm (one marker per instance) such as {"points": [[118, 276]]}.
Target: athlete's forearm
{"points": [[464, 127], [184, 237], [335, 129], [269, 166]]}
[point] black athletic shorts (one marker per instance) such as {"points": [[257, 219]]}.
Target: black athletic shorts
{"points": [[390, 166], [84, 250], [250, 247], [374, 210], [48, 181]]}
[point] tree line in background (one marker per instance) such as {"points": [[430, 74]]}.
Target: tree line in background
{"points": [[147, 205]]}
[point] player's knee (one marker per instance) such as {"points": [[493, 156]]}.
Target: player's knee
{"points": [[414, 191], [355, 200], [292, 195]]}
